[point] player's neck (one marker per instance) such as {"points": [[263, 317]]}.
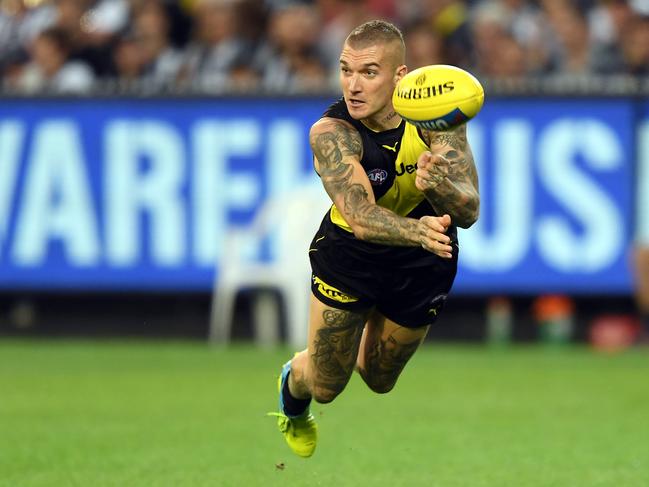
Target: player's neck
{"points": [[382, 121]]}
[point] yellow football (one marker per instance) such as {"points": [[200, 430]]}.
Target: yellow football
{"points": [[438, 97]]}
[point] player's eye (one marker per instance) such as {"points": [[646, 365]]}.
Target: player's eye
{"points": [[370, 73], [344, 69]]}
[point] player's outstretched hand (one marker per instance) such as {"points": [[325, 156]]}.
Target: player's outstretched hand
{"points": [[433, 235], [432, 169]]}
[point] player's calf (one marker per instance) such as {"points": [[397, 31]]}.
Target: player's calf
{"points": [[385, 350], [307, 381]]}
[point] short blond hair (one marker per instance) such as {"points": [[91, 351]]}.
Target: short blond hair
{"points": [[378, 32]]}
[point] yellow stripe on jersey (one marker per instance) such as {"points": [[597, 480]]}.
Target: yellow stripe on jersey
{"points": [[403, 196], [338, 219]]}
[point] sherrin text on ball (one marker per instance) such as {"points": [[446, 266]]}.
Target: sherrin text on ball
{"points": [[438, 97]]}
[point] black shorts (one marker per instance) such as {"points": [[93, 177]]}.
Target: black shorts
{"points": [[408, 285]]}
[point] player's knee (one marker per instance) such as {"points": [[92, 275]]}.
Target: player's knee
{"points": [[381, 387], [378, 385], [324, 395]]}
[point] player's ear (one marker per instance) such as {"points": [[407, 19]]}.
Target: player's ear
{"points": [[400, 72]]}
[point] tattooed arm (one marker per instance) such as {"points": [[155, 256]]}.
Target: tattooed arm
{"points": [[338, 149], [447, 175]]}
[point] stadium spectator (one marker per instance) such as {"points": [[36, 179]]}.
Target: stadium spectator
{"points": [[512, 62], [338, 18], [104, 19], [127, 62], [607, 21], [51, 69], [78, 19], [451, 20], [19, 25], [496, 52], [635, 47], [488, 25], [210, 43], [386, 9], [526, 26], [244, 77], [151, 28], [291, 60], [525, 21], [179, 17], [423, 46], [572, 50], [217, 45]]}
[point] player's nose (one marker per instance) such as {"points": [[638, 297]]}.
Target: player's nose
{"points": [[354, 85]]}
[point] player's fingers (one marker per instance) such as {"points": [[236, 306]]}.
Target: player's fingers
{"points": [[424, 159], [423, 172], [433, 237], [420, 184], [445, 220], [432, 226], [438, 160], [436, 224], [438, 248], [441, 239], [436, 242]]}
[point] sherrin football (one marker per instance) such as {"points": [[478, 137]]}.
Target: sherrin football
{"points": [[438, 97]]}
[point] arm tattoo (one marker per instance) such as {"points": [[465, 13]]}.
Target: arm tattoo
{"points": [[330, 148], [457, 194], [335, 348], [377, 224], [385, 226]]}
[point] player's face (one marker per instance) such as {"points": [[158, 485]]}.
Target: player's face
{"points": [[367, 78]]}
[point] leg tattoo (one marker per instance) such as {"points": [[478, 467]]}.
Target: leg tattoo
{"points": [[384, 362], [335, 348]]}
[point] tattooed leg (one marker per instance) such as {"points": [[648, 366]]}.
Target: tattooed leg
{"points": [[385, 349], [324, 368]]}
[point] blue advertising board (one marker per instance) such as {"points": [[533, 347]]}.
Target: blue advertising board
{"points": [[557, 197], [139, 194]]}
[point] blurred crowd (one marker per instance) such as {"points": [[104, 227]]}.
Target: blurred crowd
{"points": [[73, 46]]}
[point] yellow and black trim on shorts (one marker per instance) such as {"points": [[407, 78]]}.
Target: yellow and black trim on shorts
{"points": [[336, 297]]}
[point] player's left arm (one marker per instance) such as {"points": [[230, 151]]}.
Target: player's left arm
{"points": [[448, 177]]}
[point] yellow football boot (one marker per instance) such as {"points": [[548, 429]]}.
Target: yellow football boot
{"points": [[300, 432]]}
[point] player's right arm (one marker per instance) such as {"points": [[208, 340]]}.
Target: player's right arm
{"points": [[338, 148]]}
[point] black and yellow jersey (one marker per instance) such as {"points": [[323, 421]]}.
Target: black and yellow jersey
{"points": [[390, 162]]}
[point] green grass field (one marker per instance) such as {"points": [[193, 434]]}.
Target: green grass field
{"points": [[181, 414]]}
